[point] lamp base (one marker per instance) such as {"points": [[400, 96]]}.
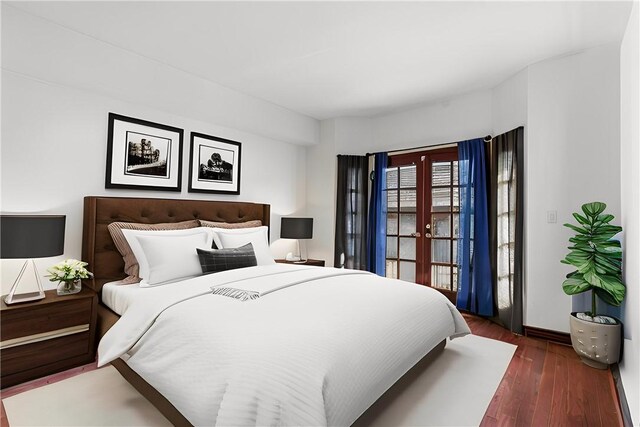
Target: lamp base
{"points": [[13, 298], [26, 297]]}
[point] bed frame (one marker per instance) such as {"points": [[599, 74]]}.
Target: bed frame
{"points": [[107, 265]]}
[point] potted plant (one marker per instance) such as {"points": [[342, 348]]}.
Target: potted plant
{"points": [[598, 260], [69, 274]]}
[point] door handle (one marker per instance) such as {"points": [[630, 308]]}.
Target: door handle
{"points": [[416, 234]]}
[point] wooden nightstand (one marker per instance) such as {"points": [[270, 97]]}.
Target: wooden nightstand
{"points": [[314, 262], [46, 336]]}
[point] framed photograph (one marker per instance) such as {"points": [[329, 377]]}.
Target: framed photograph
{"points": [[214, 165], [142, 155]]}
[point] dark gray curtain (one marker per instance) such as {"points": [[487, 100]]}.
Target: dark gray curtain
{"points": [[351, 212], [506, 219]]}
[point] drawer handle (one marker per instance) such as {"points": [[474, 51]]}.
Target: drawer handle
{"points": [[30, 339]]}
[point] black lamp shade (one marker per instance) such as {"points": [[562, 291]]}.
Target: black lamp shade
{"points": [[31, 236], [296, 228]]}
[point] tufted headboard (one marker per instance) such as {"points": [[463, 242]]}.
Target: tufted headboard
{"points": [[99, 250]]}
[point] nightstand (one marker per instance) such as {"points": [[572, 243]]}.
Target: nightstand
{"points": [[314, 262], [47, 336]]}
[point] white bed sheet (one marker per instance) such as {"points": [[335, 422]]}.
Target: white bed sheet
{"points": [[316, 352], [119, 297]]}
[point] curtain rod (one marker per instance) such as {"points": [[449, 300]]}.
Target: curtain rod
{"points": [[425, 147]]}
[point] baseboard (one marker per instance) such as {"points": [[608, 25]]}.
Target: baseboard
{"points": [[547, 334], [622, 398]]}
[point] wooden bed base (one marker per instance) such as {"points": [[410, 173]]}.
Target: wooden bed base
{"points": [[107, 265]]}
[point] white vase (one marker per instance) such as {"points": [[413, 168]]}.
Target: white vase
{"points": [[597, 344], [69, 287]]}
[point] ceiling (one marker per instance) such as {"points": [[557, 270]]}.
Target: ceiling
{"points": [[333, 59]]}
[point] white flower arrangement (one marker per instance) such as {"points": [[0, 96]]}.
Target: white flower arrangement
{"points": [[68, 270]]}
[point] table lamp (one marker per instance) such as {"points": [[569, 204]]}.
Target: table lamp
{"points": [[28, 237], [296, 228]]}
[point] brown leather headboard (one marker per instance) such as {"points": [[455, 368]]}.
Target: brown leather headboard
{"points": [[99, 250]]}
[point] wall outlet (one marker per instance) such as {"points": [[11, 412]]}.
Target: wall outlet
{"points": [[552, 217]]}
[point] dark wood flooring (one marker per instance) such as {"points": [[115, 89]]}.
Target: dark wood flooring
{"points": [[546, 384]]}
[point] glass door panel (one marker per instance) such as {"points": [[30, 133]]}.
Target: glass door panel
{"points": [[442, 220], [423, 219], [402, 209]]}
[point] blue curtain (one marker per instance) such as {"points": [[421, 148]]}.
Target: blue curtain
{"points": [[377, 226], [475, 287]]}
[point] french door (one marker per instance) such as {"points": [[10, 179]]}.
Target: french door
{"points": [[423, 217]]}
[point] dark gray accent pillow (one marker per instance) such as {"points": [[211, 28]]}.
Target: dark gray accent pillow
{"points": [[217, 260]]}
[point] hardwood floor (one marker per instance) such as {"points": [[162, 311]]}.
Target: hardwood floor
{"points": [[546, 384]]}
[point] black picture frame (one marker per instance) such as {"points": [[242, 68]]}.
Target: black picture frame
{"points": [[214, 164], [143, 155]]}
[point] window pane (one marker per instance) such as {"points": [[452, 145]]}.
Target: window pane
{"points": [[408, 271], [441, 173], [455, 173], [441, 225], [455, 252], [456, 225], [456, 199], [407, 200], [392, 201], [408, 176], [440, 250], [408, 248], [392, 178], [441, 199], [407, 224], [392, 247], [441, 276], [392, 223], [391, 269], [455, 279]]}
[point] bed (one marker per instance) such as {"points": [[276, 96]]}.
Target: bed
{"points": [[318, 346]]}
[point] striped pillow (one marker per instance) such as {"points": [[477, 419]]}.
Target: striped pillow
{"points": [[131, 267], [231, 225], [217, 260]]}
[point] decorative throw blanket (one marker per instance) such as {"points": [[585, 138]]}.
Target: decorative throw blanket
{"points": [[262, 288]]}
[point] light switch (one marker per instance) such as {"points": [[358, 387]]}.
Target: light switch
{"points": [[552, 217]]}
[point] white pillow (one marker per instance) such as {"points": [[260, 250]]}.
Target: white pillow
{"points": [[234, 238], [168, 255]]}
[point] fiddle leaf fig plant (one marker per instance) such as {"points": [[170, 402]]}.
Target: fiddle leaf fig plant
{"points": [[596, 257]]}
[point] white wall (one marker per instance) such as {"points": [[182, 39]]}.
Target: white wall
{"points": [[630, 208], [462, 117], [321, 192], [38, 48], [54, 128], [573, 157]]}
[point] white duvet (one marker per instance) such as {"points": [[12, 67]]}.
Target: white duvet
{"points": [[317, 348]]}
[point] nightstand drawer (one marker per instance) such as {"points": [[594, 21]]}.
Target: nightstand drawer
{"points": [[25, 357], [45, 318]]}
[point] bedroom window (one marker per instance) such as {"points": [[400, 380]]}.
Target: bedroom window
{"points": [[423, 218]]}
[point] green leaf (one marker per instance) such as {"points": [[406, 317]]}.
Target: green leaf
{"points": [[612, 291], [582, 220], [605, 218], [593, 209], [575, 285], [577, 229]]}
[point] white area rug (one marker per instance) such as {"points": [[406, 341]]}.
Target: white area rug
{"points": [[96, 398], [455, 389], [466, 375]]}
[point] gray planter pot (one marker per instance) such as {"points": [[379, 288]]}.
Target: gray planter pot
{"points": [[597, 344]]}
